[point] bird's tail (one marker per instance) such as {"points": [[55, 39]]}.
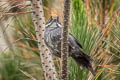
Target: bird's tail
{"points": [[83, 60]]}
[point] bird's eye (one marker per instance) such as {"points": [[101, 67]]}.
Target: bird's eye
{"points": [[57, 18], [49, 20]]}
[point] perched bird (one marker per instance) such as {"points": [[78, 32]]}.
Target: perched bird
{"points": [[53, 42]]}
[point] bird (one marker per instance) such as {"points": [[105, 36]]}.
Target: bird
{"points": [[52, 38]]}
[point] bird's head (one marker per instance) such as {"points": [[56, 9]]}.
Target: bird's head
{"points": [[53, 21]]}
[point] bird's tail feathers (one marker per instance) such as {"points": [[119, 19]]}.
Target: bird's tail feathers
{"points": [[91, 70], [83, 60]]}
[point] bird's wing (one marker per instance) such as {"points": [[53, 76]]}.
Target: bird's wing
{"points": [[73, 41]]}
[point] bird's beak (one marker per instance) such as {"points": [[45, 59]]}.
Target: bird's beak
{"points": [[54, 15]]}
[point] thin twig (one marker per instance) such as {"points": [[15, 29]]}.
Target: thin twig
{"points": [[64, 41]]}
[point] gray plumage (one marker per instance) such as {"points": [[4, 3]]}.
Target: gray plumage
{"points": [[53, 42]]}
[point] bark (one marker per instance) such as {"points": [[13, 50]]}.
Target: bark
{"points": [[45, 55], [64, 42]]}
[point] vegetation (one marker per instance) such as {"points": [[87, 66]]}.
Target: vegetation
{"points": [[95, 23]]}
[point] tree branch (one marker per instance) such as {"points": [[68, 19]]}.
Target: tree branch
{"points": [[45, 55], [64, 42]]}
